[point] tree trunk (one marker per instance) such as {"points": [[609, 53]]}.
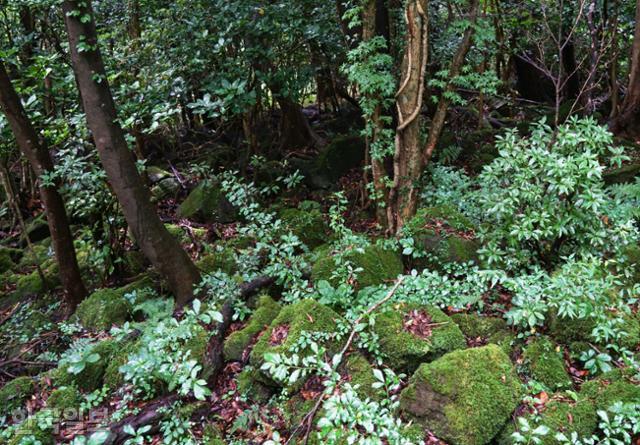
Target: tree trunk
{"points": [[627, 122], [162, 249], [407, 162], [38, 155], [295, 131]]}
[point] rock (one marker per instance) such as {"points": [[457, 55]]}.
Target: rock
{"points": [[92, 376], [113, 378], [15, 393], [359, 373], [286, 329], [340, 156], [307, 223], [625, 174], [107, 307], [444, 234], [166, 188], [207, 203], [614, 386], [30, 432], [7, 256], [545, 364], [560, 414], [485, 330], [156, 174], [465, 397], [249, 385], [238, 341], [64, 398], [32, 284], [222, 259], [37, 230], [378, 266], [410, 334], [568, 330]]}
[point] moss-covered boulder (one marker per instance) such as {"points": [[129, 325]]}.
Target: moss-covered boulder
{"points": [[107, 307], [566, 330], [7, 256], [561, 414], [306, 222], [545, 363], [615, 386], [378, 266], [64, 398], [113, 378], [286, 329], [342, 154], [411, 334], [358, 372], [444, 235], [221, 259], [31, 284], [249, 385], [236, 343], [481, 330], [207, 203], [30, 432], [92, 376], [626, 173], [15, 393], [464, 397]]}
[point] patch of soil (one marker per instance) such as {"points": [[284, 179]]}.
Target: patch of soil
{"points": [[313, 388], [279, 335], [419, 323], [476, 342]]}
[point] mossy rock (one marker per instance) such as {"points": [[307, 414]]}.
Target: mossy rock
{"points": [[438, 231], [64, 398], [464, 397], [621, 175], [615, 386], [359, 373], [7, 256], [489, 330], [546, 364], [250, 386], [37, 229], [291, 322], [32, 284], [92, 376], [238, 341], [406, 350], [307, 224], [15, 393], [182, 234], [378, 266], [222, 259], [113, 378], [566, 330], [107, 307], [560, 414], [341, 155], [207, 203], [166, 188]]}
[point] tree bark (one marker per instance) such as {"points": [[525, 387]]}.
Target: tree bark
{"points": [[627, 123], [38, 155], [163, 250]]}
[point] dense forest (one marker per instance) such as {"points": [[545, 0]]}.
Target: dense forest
{"points": [[382, 222]]}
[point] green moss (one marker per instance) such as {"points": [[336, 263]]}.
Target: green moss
{"points": [[92, 376], [445, 214], [360, 374], [546, 364], [238, 341], [464, 397], [406, 351], [615, 386], [113, 378], [197, 344], [222, 259], [566, 330], [14, 394], [304, 316], [492, 330], [207, 202], [560, 414], [102, 309], [342, 154], [306, 223], [378, 266], [32, 284], [65, 397], [30, 428], [6, 258], [250, 386]]}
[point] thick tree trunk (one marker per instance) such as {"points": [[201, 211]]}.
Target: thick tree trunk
{"points": [[627, 123], [295, 131], [162, 249], [38, 155]]}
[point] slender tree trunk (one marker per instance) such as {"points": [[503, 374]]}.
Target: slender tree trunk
{"points": [[407, 161], [627, 122], [38, 155], [162, 249], [133, 27], [613, 69]]}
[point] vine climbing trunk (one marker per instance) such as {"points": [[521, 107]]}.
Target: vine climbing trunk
{"points": [[162, 249], [407, 162], [38, 155]]}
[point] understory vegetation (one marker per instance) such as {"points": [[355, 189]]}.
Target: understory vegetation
{"points": [[242, 222]]}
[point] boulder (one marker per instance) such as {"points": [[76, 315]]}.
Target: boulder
{"points": [[481, 330], [340, 156], [207, 203], [378, 266], [410, 334], [465, 397], [15, 393], [306, 222], [545, 363]]}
